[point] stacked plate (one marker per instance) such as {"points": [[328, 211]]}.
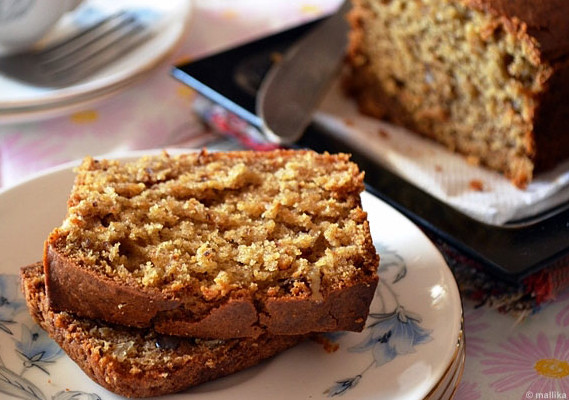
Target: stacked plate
{"points": [[22, 102]]}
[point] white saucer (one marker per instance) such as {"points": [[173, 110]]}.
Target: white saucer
{"points": [[418, 352], [22, 102]]}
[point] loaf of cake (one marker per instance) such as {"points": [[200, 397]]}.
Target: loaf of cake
{"points": [[216, 245], [141, 363], [486, 78]]}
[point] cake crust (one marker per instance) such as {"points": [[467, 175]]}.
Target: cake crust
{"points": [[293, 303], [140, 363], [545, 21]]}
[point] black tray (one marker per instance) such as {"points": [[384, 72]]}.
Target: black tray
{"points": [[511, 252]]}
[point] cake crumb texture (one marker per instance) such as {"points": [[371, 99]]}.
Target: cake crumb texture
{"points": [[486, 78], [203, 227]]}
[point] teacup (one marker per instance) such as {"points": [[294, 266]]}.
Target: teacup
{"points": [[24, 22]]}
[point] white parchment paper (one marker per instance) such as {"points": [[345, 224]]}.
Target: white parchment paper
{"points": [[482, 194]]}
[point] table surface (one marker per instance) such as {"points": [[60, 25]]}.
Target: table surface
{"points": [[506, 358]]}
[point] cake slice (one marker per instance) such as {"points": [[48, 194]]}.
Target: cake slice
{"points": [[216, 245], [141, 363], [486, 78]]}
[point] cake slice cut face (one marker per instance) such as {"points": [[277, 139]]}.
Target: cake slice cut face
{"points": [[216, 245], [140, 362], [486, 78]]}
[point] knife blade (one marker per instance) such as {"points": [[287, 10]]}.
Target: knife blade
{"points": [[295, 85]]}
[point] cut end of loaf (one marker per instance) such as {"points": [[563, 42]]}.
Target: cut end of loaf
{"points": [[457, 73]]}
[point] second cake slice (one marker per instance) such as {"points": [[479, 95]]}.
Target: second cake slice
{"points": [[216, 245]]}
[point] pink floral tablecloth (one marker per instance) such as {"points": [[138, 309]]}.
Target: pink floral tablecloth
{"points": [[506, 358]]}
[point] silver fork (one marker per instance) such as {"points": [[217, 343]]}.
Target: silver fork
{"points": [[76, 58]]}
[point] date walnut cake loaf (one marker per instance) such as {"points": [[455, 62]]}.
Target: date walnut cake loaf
{"points": [[216, 245], [141, 363], [487, 78]]}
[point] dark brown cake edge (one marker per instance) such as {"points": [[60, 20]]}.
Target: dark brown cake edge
{"points": [[97, 298], [235, 354]]}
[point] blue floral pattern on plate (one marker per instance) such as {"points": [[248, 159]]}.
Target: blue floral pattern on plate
{"points": [[389, 333], [11, 302], [34, 348]]}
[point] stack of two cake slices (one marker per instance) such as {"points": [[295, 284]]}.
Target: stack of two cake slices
{"points": [[172, 271]]}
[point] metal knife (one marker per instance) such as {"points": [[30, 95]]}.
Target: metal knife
{"points": [[295, 85]]}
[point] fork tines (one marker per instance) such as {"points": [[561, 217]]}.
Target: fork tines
{"points": [[79, 56]]}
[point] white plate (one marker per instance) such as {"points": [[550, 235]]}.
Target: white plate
{"points": [[170, 19], [419, 354]]}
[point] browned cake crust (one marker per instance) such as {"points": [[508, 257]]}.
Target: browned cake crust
{"points": [[141, 363], [218, 245], [486, 78]]}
